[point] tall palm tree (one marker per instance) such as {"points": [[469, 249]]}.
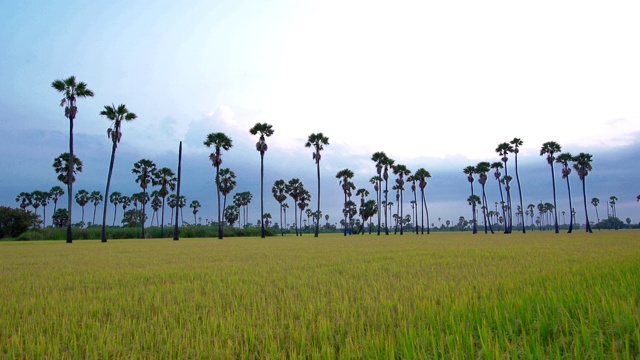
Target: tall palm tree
{"points": [[295, 188], [145, 169], [497, 165], [482, 168], [345, 176], [317, 141], [550, 148], [82, 198], [195, 205], [166, 179], [595, 201], [379, 158], [422, 175], [469, 171], [503, 150], [116, 115], [115, 198], [96, 198], [219, 141], [582, 165], [401, 171], [263, 129], [72, 90], [279, 190], [516, 142], [565, 159]]}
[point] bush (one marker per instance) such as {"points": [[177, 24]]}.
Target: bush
{"points": [[14, 222]]}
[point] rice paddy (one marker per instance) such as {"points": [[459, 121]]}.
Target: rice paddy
{"points": [[445, 295]]}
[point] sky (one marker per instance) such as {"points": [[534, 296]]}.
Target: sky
{"points": [[433, 84]]}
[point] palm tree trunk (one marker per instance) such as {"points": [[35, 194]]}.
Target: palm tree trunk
{"points": [[317, 223], [144, 215], [524, 230], [586, 213], [422, 212], [218, 193], [401, 213], [345, 213], [379, 199], [262, 193], [162, 222], [570, 208], [69, 177], [386, 204], [106, 195], [555, 206]]}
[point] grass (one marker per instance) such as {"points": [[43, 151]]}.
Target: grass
{"points": [[446, 295]]}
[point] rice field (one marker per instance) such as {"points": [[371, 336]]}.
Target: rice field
{"points": [[444, 295]]}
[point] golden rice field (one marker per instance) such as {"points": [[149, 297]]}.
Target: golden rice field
{"points": [[444, 295]]}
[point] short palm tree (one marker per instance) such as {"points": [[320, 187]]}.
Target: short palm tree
{"points": [[345, 176], [25, 199], [317, 141], [116, 115], [72, 90], [82, 198], [166, 179], [195, 205], [227, 184], [219, 141], [550, 148], [474, 200], [582, 165], [96, 198], [363, 193], [115, 198], [55, 193], [263, 129], [469, 171], [565, 159], [279, 190], [145, 169], [41, 198]]}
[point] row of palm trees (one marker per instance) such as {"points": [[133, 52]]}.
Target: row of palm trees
{"points": [[581, 163]]}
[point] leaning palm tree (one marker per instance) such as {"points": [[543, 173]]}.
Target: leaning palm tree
{"points": [[279, 193], [265, 130], [195, 205], [145, 169], [422, 175], [96, 198], [219, 141], [550, 148], [503, 150], [116, 115], [380, 158], [565, 159], [317, 141], [516, 149], [72, 91], [401, 171], [345, 176], [595, 202], [582, 165], [469, 171], [115, 198], [166, 179]]}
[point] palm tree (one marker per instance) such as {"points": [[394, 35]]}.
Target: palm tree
{"points": [[284, 207], [279, 193], [82, 198], [612, 202], [72, 91], [595, 201], [295, 188], [550, 148], [25, 199], [473, 200], [96, 198], [516, 142], [265, 130], [582, 165], [227, 184], [145, 169], [166, 179], [380, 158], [172, 201], [317, 141], [40, 198], [156, 204], [564, 159], [422, 175], [195, 205], [401, 171], [345, 176], [414, 203], [115, 198], [303, 204], [363, 193], [469, 171], [117, 115], [54, 194], [220, 142], [503, 150], [182, 202], [482, 168]]}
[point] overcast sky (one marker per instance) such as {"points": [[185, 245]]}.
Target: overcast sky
{"points": [[433, 84]]}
